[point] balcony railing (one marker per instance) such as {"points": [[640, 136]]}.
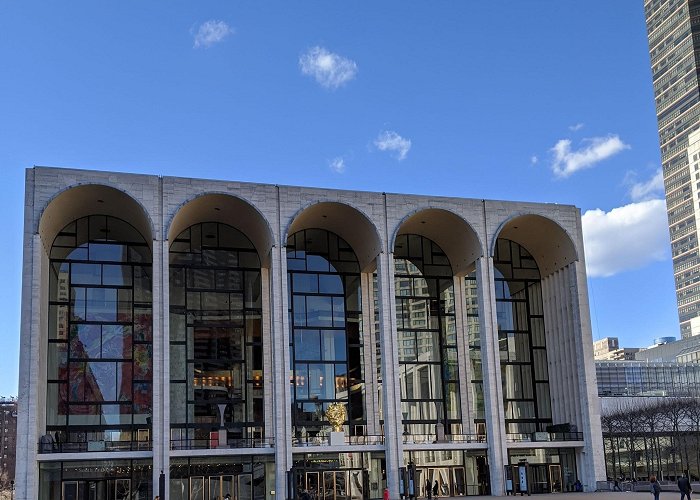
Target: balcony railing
{"points": [[211, 444], [47, 446], [539, 437], [447, 438], [348, 440]]}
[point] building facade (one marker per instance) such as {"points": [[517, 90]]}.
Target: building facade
{"points": [[186, 337], [8, 438], [673, 28], [609, 348]]}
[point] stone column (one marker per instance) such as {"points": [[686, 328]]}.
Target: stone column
{"points": [[391, 391], [464, 366], [280, 365], [160, 420], [491, 367]]}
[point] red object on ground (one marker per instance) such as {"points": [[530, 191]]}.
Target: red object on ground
{"points": [[386, 493]]}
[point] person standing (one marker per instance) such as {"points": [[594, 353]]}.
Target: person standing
{"points": [[428, 489], [654, 487], [684, 487], [435, 489]]}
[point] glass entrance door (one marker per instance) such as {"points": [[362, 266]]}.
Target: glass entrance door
{"points": [[334, 485], [555, 482], [245, 487], [311, 485], [107, 489]]}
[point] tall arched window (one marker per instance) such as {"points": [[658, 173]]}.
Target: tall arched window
{"points": [[326, 340], [425, 324], [216, 367], [521, 339], [99, 381]]}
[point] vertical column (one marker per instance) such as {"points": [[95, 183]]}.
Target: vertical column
{"points": [[161, 363], [31, 374], [393, 432], [491, 367], [368, 350], [267, 345], [464, 366], [280, 366], [593, 463]]}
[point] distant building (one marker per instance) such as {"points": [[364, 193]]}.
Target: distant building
{"points": [[641, 378], [673, 27], [8, 436], [681, 351], [609, 349]]}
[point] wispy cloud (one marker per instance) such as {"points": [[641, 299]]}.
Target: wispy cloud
{"points": [[567, 161], [337, 165], [640, 191], [534, 160], [576, 128], [388, 140], [625, 238], [210, 33], [328, 69]]}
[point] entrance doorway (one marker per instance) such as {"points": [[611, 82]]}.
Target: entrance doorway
{"points": [[108, 489], [236, 487], [347, 484]]}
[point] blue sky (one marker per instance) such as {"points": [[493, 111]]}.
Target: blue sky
{"points": [[541, 100]]}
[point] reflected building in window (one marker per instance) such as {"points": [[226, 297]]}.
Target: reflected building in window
{"points": [[186, 338]]}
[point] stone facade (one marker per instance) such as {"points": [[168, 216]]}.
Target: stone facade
{"points": [[466, 229]]}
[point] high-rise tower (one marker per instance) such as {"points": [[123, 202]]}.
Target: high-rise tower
{"points": [[673, 28]]}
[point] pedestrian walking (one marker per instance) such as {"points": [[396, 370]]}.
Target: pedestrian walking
{"points": [[428, 489], [435, 489], [684, 487], [654, 487]]}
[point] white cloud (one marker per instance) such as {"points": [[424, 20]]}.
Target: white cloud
{"points": [[337, 165], [649, 189], [534, 160], [388, 140], [330, 70], [597, 149], [575, 128], [627, 237], [210, 33]]}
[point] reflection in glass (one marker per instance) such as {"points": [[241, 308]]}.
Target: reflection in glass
{"points": [[326, 345], [521, 339], [99, 386], [215, 335], [426, 331]]}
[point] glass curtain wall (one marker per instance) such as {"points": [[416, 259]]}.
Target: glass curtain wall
{"points": [[425, 322], [96, 480], [326, 340], [471, 299], [521, 340], [99, 375], [216, 368]]}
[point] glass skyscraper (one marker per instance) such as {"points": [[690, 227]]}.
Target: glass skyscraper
{"points": [[673, 28]]}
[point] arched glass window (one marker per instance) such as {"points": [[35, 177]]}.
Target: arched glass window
{"points": [[326, 340], [99, 376], [521, 340], [425, 324], [215, 337]]}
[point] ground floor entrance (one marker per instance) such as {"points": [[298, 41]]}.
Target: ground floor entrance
{"points": [[221, 478], [96, 480], [338, 476], [549, 470], [233, 487], [449, 473]]}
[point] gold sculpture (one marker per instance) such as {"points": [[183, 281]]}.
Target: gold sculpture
{"points": [[336, 416]]}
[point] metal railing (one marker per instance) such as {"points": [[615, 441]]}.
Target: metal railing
{"points": [[447, 438], [348, 440], [212, 444], [535, 437], [46, 446]]}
